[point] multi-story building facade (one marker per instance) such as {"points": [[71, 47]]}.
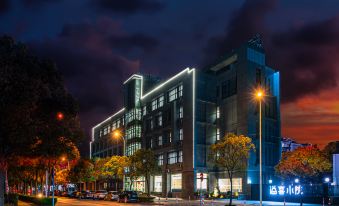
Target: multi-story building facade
{"points": [[179, 118]]}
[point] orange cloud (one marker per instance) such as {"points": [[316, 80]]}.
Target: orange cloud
{"points": [[312, 119]]}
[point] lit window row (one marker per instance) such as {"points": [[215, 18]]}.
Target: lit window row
{"points": [[134, 114], [174, 93], [157, 102], [111, 127], [132, 148], [133, 132]]}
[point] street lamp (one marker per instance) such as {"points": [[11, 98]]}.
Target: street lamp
{"points": [[118, 134], [296, 180], [259, 96]]}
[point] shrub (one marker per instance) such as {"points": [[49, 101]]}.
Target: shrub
{"points": [[145, 199], [11, 199], [45, 201]]}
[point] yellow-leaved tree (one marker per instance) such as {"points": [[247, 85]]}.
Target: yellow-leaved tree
{"points": [[231, 153]]}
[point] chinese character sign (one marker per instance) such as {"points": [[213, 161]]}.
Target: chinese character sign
{"points": [[286, 190]]}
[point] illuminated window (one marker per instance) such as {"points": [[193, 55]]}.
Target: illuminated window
{"points": [[172, 158], [225, 185], [154, 105], [144, 110], [151, 143], [218, 134], [160, 120], [132, 148], [161, 101], [181, 135], [201, 184], [218, 112], [160, 140], [180, 90], [181, 112], [170, 136], [158, 183], [176, 181], [180, 156], [160, 160], [158, 102], [172, 95]]}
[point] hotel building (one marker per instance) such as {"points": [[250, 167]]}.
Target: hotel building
{"points": [[180, 117]]}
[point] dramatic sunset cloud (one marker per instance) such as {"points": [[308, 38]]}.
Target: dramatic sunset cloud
{"points": [[313, 118]]}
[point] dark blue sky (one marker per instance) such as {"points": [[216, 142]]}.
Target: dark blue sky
{"points": [[99, 43]]}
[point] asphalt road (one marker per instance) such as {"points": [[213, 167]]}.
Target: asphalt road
{"points": [[76, 202]]}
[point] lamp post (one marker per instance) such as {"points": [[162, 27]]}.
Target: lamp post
{"points": [[327, 194], [259, 96], [118, 134]]}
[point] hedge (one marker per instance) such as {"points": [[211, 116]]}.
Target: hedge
{"points": [[45, 201], [146, 199], [11, 199]]}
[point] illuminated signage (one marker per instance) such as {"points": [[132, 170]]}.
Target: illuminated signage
{"points": [[286, 190]]}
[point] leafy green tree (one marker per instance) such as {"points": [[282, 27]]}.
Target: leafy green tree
{"points": [[132, 173], [231, 153], [307, 163], [32, 94], [146, 164], [83, 171]]}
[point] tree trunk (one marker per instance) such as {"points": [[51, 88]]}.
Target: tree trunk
{"points": [[2, 189], [231, 197], [147, 185]]}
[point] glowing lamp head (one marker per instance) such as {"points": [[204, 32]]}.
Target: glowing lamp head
{"points": [[327, 179], [116, 133], [39, 195], [60, 116], [63, 158], [296, 180], [270, 181]]}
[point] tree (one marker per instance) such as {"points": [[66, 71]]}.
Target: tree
{"points": [[232, 153], [132, 173], [307, 163], [32, 93], [83, 171], [146, 164], [330, 149], [115, 166]]}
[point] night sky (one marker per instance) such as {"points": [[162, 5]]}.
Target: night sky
{"points": [[97, 44]]}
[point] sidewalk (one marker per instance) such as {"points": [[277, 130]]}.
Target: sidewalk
{"points": [[21, 203], [179, 201]]}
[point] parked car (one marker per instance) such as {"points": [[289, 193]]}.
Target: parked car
{"points": [[99, 194], [86, 195], [64, 194], [128, 196], [112, 195], [74, 194]]}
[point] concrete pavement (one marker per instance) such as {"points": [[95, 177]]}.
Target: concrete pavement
{"points": [[170, 201]]}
